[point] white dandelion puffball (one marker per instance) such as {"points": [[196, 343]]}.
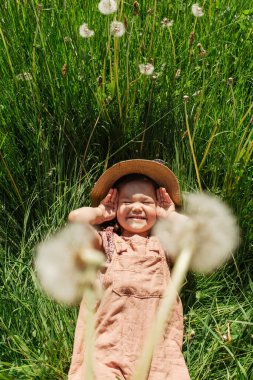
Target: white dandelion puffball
{"points": [[211, 229], [166, 23], [147, 69], [24, 76], [197, 11], [117, 29], [62, 261], [85, 32], [107, 6]]}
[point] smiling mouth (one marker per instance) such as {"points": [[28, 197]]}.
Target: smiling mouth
{"points": [[137, 217]]}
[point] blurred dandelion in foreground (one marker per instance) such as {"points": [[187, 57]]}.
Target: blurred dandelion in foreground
{"points": [[85, 32], [65, 261], [117, 29], [202, 242], [197, 11], [24, 76], [211, 229], [147, 69], [166, 23], [107, 6]]}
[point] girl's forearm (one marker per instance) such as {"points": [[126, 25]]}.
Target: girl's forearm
{"points": [[91, 215]]}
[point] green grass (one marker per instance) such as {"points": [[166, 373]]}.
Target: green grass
{"points": [[60, 130]]}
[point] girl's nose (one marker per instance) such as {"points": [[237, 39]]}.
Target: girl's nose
{"points": [[136, 206]]}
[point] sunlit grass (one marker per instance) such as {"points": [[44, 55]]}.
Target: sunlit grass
{"points": [[71, 106]]}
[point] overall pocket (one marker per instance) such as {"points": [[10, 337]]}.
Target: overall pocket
{"points": [[141, 277]]}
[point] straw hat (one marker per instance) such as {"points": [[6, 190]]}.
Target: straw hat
{"points": [[155, 170]]}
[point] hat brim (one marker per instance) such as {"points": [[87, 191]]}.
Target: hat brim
{"points": [[158, 172]]}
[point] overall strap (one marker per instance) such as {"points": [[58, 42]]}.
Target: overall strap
{"points": [[108, 242]]}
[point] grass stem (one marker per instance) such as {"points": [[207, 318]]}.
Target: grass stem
{"points": [[191, 146]]}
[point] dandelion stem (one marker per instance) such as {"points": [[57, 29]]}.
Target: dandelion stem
{"points": [[209, 145], [147, 117], [191, 47], [116, 74], [173, 46], [90, 137], [177, 278], [153, 29], [192, 148]]}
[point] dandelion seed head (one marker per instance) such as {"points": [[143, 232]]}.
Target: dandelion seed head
{"points": [[197, 93], [85, 32], [67, 39], [166, 23], [136, 8], [146, 69], [100, 80], [191, 38], [197, 11], [61, 262], [40, 8], [211, 228], [107, 7], [117, 29], [178, 73], [24, 76], [64, 70]]}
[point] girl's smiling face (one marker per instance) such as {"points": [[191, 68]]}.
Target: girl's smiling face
{"points": [[136, 213]]}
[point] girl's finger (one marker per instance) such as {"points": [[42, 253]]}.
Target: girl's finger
{"points": [[163, 194], [114, 195], [107, 198], [168, 198], [158, 193]]}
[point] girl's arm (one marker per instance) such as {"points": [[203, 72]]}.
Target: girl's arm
{"points": [[90, 215], [97, 215]]}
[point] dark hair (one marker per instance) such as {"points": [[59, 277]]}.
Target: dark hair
{"points": [[134, 177]]}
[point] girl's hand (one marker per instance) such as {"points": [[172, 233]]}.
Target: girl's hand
{"points": [[108, 207], [165, 205]]}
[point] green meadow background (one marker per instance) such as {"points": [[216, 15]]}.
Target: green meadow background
{"points": [[70, 106]]}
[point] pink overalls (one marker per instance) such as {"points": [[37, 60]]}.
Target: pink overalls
{"points": [[134, 281]]}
